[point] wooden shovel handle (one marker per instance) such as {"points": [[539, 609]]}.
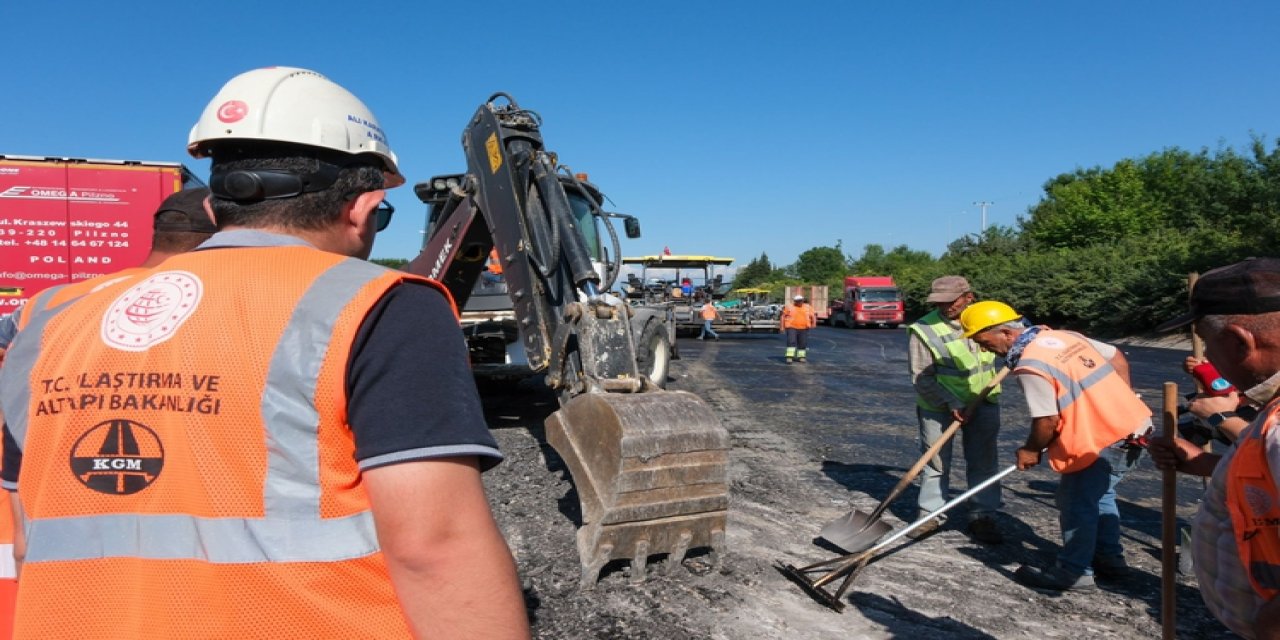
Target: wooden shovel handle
{"points": [[937, 446], [1169, 521], [1197, 345]]}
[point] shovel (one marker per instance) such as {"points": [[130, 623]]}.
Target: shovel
{"points": [[856, 530], [850, 565]]}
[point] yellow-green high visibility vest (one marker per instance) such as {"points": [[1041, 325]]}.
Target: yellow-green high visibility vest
{"points": [[957, 369]]}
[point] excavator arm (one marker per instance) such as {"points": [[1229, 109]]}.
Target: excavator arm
{"points": [[650, 466]]}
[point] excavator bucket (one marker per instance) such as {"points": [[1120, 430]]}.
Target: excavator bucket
{"points": [[651, 470]]}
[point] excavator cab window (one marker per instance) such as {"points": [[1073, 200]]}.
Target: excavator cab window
{"points": [[586, 223]]}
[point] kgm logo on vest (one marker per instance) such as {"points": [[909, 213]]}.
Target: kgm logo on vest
{"points": [[117, 457]]}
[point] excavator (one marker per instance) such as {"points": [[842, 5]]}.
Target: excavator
{"points": [[489, 319], [649, 465]]}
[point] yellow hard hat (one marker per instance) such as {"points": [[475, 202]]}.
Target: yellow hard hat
{"points": [[980, 316]]}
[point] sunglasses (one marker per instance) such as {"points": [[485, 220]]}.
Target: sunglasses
{"points": [[384, 212]]}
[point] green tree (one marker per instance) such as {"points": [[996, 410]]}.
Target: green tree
{"points": [[872, 262], [1095, 206], [1105, 250], [754, 273], [820, 265]]}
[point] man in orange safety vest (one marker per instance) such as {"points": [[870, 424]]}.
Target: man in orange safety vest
{"points": [[1086, 415], [797, 320], [286, 430]]}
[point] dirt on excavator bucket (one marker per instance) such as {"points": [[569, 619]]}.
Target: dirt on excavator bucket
{"points": [[651, 471]]}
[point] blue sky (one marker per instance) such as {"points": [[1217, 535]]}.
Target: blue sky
{"points": [[729, 128]]}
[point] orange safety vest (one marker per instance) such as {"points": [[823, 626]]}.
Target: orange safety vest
{"points": [[187, 466], [495, 262], [799, 317], [708, 311], [1096, 407], [1254, 504]]}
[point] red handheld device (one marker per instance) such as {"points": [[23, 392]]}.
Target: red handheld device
{"points": [[1211, 382]]}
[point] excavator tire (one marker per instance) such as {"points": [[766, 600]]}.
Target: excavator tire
{"points": [[653, 354], [651, 470]]}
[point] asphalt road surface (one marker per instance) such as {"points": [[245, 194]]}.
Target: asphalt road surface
{"points": [[810, 442]]}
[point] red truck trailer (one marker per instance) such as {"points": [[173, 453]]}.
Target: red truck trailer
{"points": [[69, 219], [868, 300]]}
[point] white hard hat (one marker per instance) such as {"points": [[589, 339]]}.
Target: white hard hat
{"points": [[798, 298], [287, 104]]}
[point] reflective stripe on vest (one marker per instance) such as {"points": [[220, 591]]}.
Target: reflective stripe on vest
{"points": [[1254, 504], [955, 366], [1069, 390], [37, 303], [290, 529], [1096, 408], [15, 387]]}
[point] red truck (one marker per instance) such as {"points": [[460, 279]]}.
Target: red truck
{"points": [[68, 219], [868, 300]]}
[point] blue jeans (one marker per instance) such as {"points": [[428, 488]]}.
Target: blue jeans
{"points": [[706, 328], [1087, 510], [981, 458]]}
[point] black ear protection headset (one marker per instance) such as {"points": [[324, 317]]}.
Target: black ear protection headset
{"points": [[249, 186]]}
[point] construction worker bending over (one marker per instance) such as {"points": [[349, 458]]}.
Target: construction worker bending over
{"points": [[1236, 533], [286, 432], [797, 320], [1084, 411], [949, 372]]}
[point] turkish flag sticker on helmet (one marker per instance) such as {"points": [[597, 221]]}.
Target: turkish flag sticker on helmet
{"points": [[232, 111]]}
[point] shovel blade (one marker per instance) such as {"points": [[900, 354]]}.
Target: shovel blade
{"points": [[855, 531]]}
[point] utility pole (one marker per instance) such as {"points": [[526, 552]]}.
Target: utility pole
{"points": [[984, 204]]}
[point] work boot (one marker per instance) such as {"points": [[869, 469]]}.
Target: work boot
{"points": [[799, 359], [925, 530], [789, 360], [1054, 578], [985, 530], [1111, 567], [1186, 566]]}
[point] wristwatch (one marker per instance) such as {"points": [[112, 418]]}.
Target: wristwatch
{"points": [[1217, 419]]}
